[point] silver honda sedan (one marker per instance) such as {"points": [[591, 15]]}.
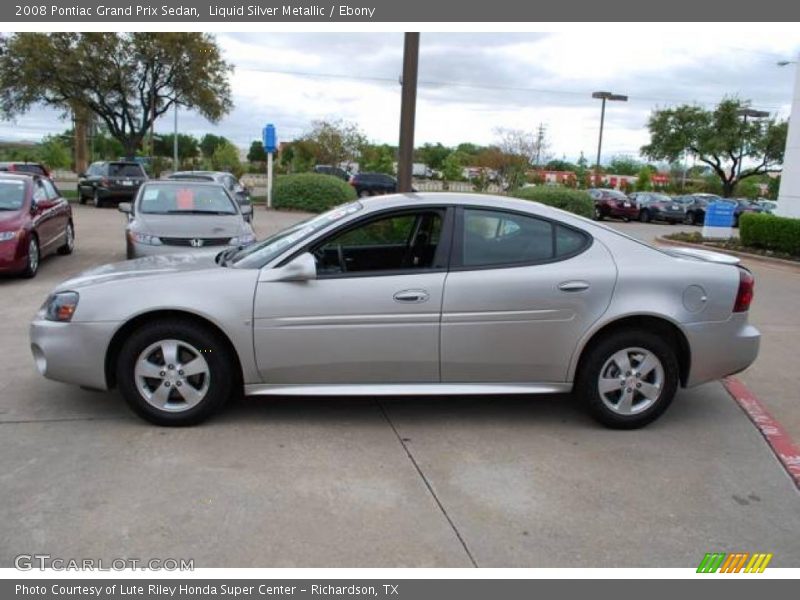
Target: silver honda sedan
{"points": [[181, 216], [407, 294]]}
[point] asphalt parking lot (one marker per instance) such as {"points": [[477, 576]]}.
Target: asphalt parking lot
{"points": [[372, 482]]}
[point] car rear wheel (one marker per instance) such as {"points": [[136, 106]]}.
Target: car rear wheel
{"points": [[175, 373], [628, 379], [81, 197], [69, 240], [96, 200], [688, 218], [34, 257], [644, 216], [598, 214]]}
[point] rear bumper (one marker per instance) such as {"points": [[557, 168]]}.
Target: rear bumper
{"points": [[721, 348], [117, 194], [72, 352]]}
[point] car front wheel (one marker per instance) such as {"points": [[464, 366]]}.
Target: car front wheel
{"points": [[34, 256], [175, 373], [628, 379], [96, 199]]}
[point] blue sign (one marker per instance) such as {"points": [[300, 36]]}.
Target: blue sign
{"points": [[270, 138], [719, 214]]}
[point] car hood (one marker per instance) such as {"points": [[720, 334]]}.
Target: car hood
{"points": [[10, 219], [159, 265], [190, 226]]}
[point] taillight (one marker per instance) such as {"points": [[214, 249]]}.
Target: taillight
{"points": [[744, 296], [105, 182], [352, 180]]}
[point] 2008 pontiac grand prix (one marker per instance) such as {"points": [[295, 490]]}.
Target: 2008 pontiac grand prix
{"points": [[407, 294]]}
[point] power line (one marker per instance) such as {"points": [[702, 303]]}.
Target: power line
{"points": [[501, 88]]}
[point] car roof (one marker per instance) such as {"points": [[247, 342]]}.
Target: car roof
{"points": [[18, 176]]}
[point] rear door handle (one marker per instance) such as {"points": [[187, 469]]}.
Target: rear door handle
{"points": [[573, 286], [410, 296]]}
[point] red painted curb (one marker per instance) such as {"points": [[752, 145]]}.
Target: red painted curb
{"points": [[778, 439]]}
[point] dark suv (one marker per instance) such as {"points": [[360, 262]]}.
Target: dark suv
{"points": [[335, 171], [116, 181], [372, 184]]}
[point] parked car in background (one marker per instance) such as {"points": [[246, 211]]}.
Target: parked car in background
{"points": [[657, 207], [769, 206], [170, 216], [330, 170], [612, 203], [743, 206], [695, 207], [373, 184], [35, 220], [227, 180], [33, 168], [372, 298], [108, 181]]}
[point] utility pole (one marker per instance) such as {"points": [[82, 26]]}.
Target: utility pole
{"points": [[405, 158], [539, 143], [175, 165], [604, 96]]}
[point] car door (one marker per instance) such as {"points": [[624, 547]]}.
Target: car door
{"points": [[58, 210], [43, 217], [521, 292], [372, 313]]}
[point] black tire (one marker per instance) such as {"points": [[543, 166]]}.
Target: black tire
{"points": [[215, 352], [32, 266], [598, 214], [688, 218], [81, 197], [644, 216], [129, 251], [596, 357], [69, 240], [97, 200]]}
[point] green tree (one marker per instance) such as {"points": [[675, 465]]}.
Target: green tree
{"points": [[257, 152], [433, 155], [561, 165], [453, 166], [226, 158], [377, 159], [623, 165], [188, 146], [127, 80], [644, 179], [718, 138], [774, 185], [334, 142], [210, 142], [54, 153]]}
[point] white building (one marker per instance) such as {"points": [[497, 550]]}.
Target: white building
{"points": [[789, 194]]}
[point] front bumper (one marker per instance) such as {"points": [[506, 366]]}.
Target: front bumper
{"points": [[12, 257], [142, 250], [72, 352], [719, 349]]}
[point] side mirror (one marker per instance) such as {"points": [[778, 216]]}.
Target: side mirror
{"points": [[247, 209], [125, 207], [34, 206], [302, 268]]}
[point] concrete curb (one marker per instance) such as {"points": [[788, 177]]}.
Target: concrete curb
{"points": [[754, 257], [780, 442]]}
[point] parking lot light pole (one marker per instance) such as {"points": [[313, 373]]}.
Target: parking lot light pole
{"points": [[604, 96], [408, 105], [175, 166], [753, 114]]}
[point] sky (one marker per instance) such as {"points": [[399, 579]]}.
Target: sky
{"points": [[471, 84]]}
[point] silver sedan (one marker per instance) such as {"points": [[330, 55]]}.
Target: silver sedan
{"points": [[407, 294]]}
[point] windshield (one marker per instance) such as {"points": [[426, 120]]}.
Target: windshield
{"points": [[12, 194], [257, 255], [185, 198], [125, 170]]}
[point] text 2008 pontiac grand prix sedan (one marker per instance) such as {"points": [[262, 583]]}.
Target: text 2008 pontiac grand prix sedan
{"points": [[407, 294]]}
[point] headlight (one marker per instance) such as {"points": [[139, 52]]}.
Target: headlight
{"points": [[61, 306], [243, 240], [144, 238], [8, 235]]}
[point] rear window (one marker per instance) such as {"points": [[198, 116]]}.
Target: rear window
{"points": [[12, 194], [166, 199], [125, 170]]}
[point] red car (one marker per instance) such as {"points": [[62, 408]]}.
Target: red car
{"points": [[613, 203], [34, 221]]}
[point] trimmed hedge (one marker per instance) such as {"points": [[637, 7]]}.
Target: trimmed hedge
{"points": [[574, 201], [311, 192], [769, 232]]}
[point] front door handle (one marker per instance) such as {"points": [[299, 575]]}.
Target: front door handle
{"points": [[411, 296], [573, 286]]}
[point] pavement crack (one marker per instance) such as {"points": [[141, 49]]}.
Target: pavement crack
{"points": [[427, 483]]}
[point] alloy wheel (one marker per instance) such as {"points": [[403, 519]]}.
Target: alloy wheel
{"points": [[631, 381], [172, 375]]}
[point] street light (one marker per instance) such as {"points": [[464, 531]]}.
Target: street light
{"points": [[753, 114], [604, 96]]}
